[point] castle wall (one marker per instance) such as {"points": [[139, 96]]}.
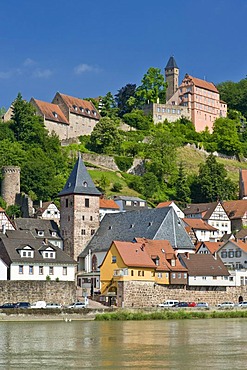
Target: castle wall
{"points": [[63, 292], [147, 294]]}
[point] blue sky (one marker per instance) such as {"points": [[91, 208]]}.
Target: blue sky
{"points": [[86, 48]]}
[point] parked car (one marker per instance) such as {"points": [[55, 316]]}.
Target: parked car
{"points": [[202, 304], [226, 305], [191, 304], [181, 304], [23, 305], [8, 305], [77, 305], [243, 304], [53, 305], [168, 303], [39, 304]]}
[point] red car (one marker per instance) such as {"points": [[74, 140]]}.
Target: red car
{"points": [[191, 304]]}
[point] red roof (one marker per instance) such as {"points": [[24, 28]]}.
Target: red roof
{"points": [[202, 83], [51, 111], [80, 106], [211, 246], [243, 180], [199, 224], [133, 254], [235, 208], [108, 204], [164, 204]]}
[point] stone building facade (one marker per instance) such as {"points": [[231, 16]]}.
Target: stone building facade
{"points": [[11, 185]]}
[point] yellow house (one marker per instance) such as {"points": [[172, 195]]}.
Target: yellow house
{"points": [[144, 260]]}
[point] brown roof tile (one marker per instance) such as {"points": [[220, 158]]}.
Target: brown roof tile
{"points": [[80, 106], [202, 83], [164, 204], [108, 204], [212, 246], [51, 111], [243, 179], [204, 265], [236, 208], [198, 224]]}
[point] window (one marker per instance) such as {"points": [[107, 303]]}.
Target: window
{"points": [[91, 218], [51, 270], [83, 232], [114, 259], [223, 254], [65, 270], [29, 254], [66, 203], [238, 253], [132, 273], [20, 269], [159, 275], [179, 275], [24, 254], [30, 270], [128, 202], [68, 218], [142, 204], [83, 218], [87, 202], [41, 233], [231, 253], [41, 270], [92, 231], [174, 275], [94, 263], [46, 254], [185, 275]]}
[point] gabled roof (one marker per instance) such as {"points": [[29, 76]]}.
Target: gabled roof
{"points": [[239, 243], [35, 224], [133, 254], [80, 107], [203, 265], [171, 63], [79, 181], [165, 204], [157, 223], [241, 234], [45, 206], [235, 208], [201, 83], [51, 111], [198, 224], [206, 209], [107, 204], [12, 242], [211, 246]]}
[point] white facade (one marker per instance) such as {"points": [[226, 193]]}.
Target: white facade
{"points": [[233, 256], [220, 221], [206, 235], [34, 271], [210, 281], [51, 213], [3, 270], [5, 223]]}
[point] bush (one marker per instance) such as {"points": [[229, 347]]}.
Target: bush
{"points": [[116, 187], [123, 163]]}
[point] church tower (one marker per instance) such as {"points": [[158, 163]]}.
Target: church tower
{"points": [[79, 210], [171, 77]]}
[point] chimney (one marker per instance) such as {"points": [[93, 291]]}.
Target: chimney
{"points": [[40, 204]]}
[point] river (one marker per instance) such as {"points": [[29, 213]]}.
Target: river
{"points": [[176, 344]]}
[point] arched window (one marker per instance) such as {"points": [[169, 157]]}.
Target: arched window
{"points": [[94, 263]]}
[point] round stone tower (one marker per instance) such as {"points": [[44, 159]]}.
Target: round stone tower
{"points": [[10, 184]]}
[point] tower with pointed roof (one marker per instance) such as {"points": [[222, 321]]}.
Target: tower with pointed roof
{"points": [[79, 210], [171, 76]]}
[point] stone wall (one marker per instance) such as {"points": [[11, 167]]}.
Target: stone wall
{"points": [[100, 160], [146, 294], [63, 292]]}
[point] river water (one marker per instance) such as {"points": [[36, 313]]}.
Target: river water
{"points": [[186, 344]]}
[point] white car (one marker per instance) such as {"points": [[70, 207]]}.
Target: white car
{"points": [[243, 304], [53, 305], [39, 304], [77, 305], [226, 305], [168, 303]]}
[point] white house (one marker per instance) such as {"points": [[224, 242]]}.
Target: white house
{"points": [[203, 231], [5, 222], [213, 213], [29, 258], [48, 211], [205, 270]]}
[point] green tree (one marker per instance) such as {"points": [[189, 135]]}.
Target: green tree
{"points": [[26, 125], [105, 137], [150, 185], [122, 97], [181, 186], [225, 135], [212, 182], [138, 119], [153, 87], [108, 106]]}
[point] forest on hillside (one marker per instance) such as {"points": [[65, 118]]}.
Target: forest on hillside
{"points": [[45, 164]]}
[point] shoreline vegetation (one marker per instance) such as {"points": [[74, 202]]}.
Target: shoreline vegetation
{"points": [[109, 314]]}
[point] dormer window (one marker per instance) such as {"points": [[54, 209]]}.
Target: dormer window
{"points": [[27, 252], [75, 108], [49, 254], [40, 232], [88, 111], [54, 114], [85, 184], [81, 109], [53, 233], [94, 113]]}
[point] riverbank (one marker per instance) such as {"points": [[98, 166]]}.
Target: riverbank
{"points": [[114, 314]]}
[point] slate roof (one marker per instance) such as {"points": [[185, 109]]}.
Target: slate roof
{"points": [[171, 63], [157, 223], [51, 111], [235, 209], [37, 224], [203, 265], [125, 197], [11, 242], [79, 181]]}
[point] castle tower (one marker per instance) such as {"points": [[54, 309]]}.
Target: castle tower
{"points": [[79, 210], [171, 77], [10, 184]]}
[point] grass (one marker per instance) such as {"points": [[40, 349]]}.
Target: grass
{"points": [[125, 315]]}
